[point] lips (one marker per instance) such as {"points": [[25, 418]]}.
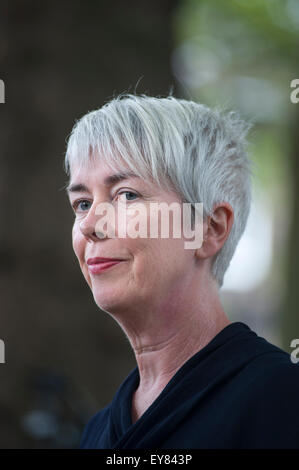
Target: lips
{"points": [[97, 265], [98, 260]]}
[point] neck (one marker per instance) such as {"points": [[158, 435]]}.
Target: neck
{"points": [[159, 361], [171, 332]]}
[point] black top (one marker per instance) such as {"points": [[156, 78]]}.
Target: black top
{"points": [[239, 391]]}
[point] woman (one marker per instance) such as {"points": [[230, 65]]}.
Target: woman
{"points": [[201, 381]]}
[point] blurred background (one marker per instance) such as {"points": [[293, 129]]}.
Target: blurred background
{"points": [[64, 359]]}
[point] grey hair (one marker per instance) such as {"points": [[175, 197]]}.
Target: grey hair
{"points": [[182, 145]]}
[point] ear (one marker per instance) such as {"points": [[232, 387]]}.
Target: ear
{"points": [[216, 229]]}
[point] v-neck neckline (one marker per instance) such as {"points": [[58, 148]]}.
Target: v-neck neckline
{"points": [[121, 415]]}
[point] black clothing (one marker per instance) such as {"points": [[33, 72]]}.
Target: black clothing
{"points": [[239, 391]]}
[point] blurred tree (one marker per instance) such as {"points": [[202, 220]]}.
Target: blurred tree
{"points": [[59, 60], [244, 55]]}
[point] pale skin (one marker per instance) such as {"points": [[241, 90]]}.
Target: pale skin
{"points": [[162, 295]]}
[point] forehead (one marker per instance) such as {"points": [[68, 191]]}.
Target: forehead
{"points": [[97, 173], [96, 166]]}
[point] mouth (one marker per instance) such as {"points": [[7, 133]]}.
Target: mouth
{"points": [[97, 265]]}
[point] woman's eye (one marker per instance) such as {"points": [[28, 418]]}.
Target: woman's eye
{"points": [[82, 205], [128, 193]]}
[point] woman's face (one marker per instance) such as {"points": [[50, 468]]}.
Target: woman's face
{"points": [[153, 269]]}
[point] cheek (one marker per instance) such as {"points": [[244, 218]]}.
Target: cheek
{"points": [[78, 243], [158, 261], [75, 240], [173, 259]]}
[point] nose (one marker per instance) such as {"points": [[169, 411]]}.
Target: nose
{"points": [[88, 227]]}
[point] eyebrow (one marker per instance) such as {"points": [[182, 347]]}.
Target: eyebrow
{"points": [[108, 181]]}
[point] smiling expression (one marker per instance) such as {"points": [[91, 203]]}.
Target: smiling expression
{"points": [[151, 268]]}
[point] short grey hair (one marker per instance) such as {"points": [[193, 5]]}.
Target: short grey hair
{"points": [[200, 152]]}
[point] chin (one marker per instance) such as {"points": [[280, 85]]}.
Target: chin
{"points": [[107, 299]]}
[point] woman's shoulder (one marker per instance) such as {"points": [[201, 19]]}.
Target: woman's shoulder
{"points": [[276, 372], [271, 366], [270, 384], [269, 402]]}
